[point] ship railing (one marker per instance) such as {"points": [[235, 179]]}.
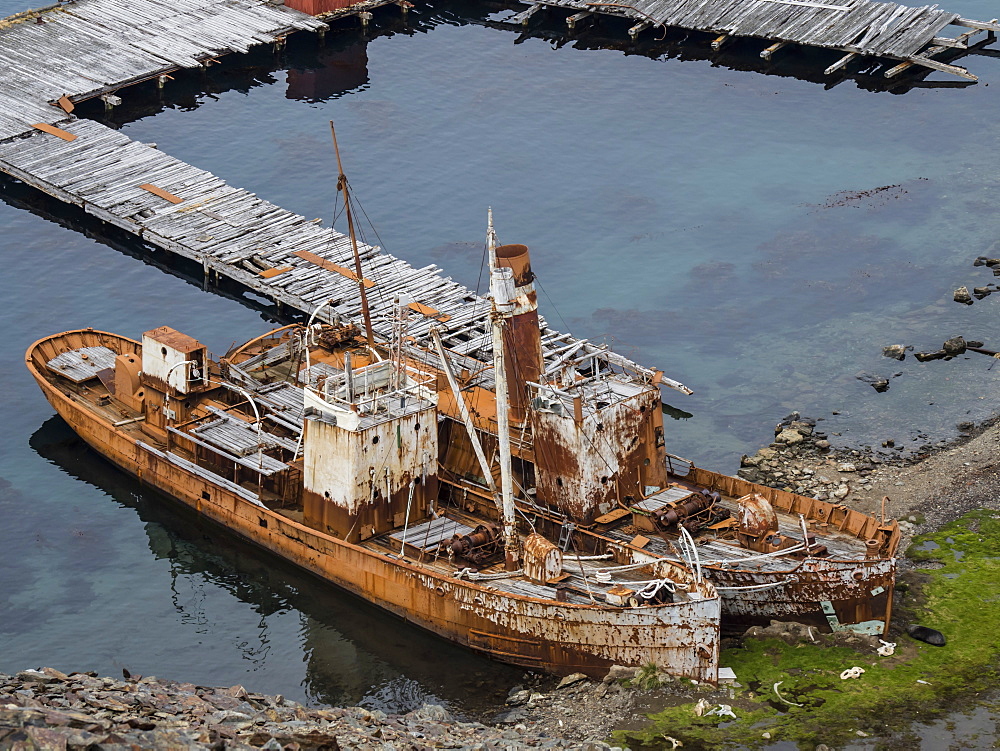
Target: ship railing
{"points": [[678, 465]]}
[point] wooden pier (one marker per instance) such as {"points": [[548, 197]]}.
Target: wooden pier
{"points": [[858, 28]]}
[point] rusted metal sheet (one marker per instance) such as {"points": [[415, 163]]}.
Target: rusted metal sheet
{"points": [[542, 560], [522, 336], [606, 458], [830, 595], [53, 130], [305, 255], [164, 194]]}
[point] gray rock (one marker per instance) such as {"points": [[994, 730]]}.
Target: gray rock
{"points": [[571, 680], [895, 351], [521, 697], [428, 712], [962, 295], [788, 437], [954, 347], [620, 673]]}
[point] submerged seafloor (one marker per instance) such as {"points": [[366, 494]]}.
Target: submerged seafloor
{"points": [[759, 236]]}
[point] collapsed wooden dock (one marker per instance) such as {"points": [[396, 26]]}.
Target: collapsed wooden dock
{"points": [[859, 28]]}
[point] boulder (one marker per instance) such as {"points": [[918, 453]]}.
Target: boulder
{"points": [[571, 680], [895, 351], [788, 437], [954, 347], [620, 673], [962, 295]]}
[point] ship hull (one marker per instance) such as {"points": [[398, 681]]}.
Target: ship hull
{"points": [[830, 594], [561, 638]]}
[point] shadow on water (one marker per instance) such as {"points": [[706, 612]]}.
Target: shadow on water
{"points": [[353, 651]]}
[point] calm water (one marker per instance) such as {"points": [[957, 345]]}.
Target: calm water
{"points": [[698, 217]]}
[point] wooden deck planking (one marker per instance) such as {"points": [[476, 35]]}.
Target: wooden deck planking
{"points": [[866, 27], [226, 228]]}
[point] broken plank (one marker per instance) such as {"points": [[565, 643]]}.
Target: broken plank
{"points": [[330, 266], [165, 195]]}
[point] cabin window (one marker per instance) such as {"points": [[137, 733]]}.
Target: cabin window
{"points": [[163, 351], [263, 523], [559, 482], [416, 426], [645, 462], [206, 496], [375, 440]]}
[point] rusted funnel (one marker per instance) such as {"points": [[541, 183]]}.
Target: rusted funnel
{"points": [[523, 338]]}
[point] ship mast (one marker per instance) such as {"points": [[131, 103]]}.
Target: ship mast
{"points": [[342, 186], [501, 290]]}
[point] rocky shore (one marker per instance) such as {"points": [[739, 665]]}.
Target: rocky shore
{"points": [[47, 709], [922, 489]]}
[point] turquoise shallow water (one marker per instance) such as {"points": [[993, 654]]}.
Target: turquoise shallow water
{"points": [[707, 220]]}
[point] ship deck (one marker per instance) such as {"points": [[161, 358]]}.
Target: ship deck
{"points": [[578, 583]]}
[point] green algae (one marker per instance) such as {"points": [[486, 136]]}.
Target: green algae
{"points": [[959, 596]]}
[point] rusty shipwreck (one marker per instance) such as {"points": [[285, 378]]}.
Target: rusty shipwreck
{"points": [[389, 470], [523, 507]]}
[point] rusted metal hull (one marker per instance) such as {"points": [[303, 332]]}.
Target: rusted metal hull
{"points": [[830, 594], [682, 638]]}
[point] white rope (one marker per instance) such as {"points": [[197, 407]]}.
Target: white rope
{"points": [[724, 562], [645, 582], [601, 557], [690, 552], [653, 588], [782, 697], [475, 576], [749, 587]]}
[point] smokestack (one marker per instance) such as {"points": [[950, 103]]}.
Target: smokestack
{"points": [[523, 338]]}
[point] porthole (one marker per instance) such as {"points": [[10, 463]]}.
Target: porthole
{"points": [[375, 439], [163, 351]]}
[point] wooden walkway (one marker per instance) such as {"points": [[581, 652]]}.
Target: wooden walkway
{"points": [[860, 28], [80, 50]]}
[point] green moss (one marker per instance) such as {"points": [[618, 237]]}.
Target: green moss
{"points": [[959, 599]]}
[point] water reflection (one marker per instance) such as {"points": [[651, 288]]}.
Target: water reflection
{"points": [[353, 653]]}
